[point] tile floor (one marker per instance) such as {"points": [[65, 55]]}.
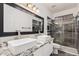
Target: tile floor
{"points": [[61, 53]]}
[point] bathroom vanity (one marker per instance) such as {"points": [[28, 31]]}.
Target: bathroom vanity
{"points": [[42, 46]]}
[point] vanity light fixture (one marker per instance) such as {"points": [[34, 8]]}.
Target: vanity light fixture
{"points": [[32, 7]]}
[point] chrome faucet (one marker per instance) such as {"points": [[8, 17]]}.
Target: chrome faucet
{"points": [[39, 31], [19, 33]]}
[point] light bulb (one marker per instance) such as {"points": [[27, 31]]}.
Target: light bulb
{"points": [[34, 8], [29, 5], [37, 10]]}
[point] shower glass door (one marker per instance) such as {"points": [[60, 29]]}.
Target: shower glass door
{"points": [[69, 30], [59, 37], [66, 34]]}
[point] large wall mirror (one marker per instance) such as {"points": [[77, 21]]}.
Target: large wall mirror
{"points": [[14, 17]]}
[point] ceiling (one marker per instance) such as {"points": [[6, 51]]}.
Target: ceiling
{"points": [[57, 7]]}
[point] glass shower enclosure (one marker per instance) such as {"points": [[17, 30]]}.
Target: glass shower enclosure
{"points": [[66, 33]]}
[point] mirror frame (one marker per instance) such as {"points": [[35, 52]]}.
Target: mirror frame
{"points": [[3, 34]]}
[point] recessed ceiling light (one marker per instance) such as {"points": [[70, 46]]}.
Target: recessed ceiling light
{"points": [[53, 6]]}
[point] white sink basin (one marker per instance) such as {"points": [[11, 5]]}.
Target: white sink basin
{"points": [[43, 38], [19, 42], [21, 45]]}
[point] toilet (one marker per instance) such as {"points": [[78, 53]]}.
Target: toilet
{"points": [[56, 47]]}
